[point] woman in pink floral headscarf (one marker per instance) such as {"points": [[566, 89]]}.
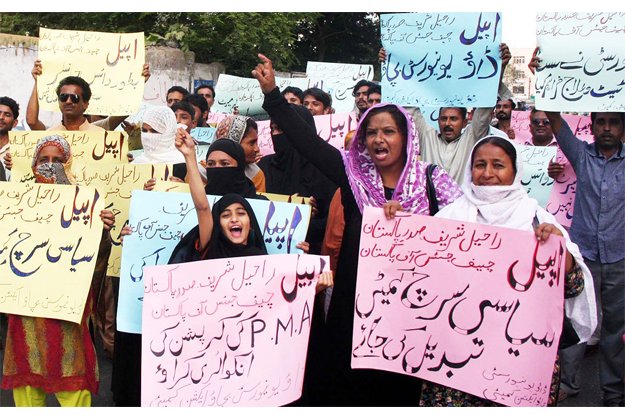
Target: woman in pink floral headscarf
{"points": [[380, 169]]}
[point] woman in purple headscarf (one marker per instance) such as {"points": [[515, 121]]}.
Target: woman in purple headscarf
{"points": [[380, 169]]}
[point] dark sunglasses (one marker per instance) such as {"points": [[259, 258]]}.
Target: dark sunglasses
{"points": [[74, 97], [537, 122]]}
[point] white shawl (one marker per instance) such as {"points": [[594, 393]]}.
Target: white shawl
{"points": [[511, 207]]}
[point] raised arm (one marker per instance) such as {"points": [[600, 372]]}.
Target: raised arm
{"points": [[571, 146], [186, 145], [32, 110], [482, 116], [303, 137]]}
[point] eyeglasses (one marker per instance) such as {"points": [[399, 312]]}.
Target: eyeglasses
{"points": [[74, 97], [538, 122]]}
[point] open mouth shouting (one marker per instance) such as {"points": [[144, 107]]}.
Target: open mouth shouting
{"points": [[236, 231], [380, 153]]}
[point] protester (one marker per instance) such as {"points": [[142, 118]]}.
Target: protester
{"points": [[200, 107], [503, 115], [450, 145], [74, 94], [208, 92], [9, 111], [317, 101], [45, 355], [287, 173], [74, 118], [225, 171], [374, 96], [598, 227], [175, 94], [293, 95], [244, 130], [494, 195], [361, 94], [158, 132], [185, 114], [374, 172]]}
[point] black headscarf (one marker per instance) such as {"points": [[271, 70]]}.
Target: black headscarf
{"points": [[222, 180], [287, 172], [219, 245]]}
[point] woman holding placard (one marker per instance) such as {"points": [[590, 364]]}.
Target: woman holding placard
{"points": [[494, 195], [45, 355], [380, 169]]}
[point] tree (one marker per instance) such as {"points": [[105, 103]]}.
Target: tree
{"points": [[234, 39], [339, 37]]}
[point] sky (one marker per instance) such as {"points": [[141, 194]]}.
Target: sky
{"points": [[518, 15]]}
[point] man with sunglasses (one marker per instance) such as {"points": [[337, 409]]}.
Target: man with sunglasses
{"points": [[542, 135], [73, 95], [77, 94], [540, 128]]}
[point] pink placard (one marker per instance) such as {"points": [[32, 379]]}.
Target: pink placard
{"points": [[332, 128], [227, 332], [474, 307], [562, 197], [520, 123]]}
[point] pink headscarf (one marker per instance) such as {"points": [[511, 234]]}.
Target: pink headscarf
{"points": [[366, 182]]}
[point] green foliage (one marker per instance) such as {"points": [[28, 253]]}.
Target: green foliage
{"points": [[234, 39]]}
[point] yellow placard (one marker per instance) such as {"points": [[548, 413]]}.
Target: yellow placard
{"points": [[50, 236], [117, 183], [169, 186], [88, 147], [111, 63]]}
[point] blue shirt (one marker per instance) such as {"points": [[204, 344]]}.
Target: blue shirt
{"points": [[598, 225]]}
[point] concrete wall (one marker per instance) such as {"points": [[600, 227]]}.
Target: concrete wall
{"points": [[168, 66], [18, 54]]}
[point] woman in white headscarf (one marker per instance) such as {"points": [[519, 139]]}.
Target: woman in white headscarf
{"points": [[494, 195], [158, 134]]}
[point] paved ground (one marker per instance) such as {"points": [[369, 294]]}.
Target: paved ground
{"points": [[589, 396]]}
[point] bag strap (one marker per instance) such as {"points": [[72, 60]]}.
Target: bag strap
{"points": [[431, 190]]}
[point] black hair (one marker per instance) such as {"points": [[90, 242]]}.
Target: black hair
{"points": [[202, 86], [503, 143], [197, 100], [14, 106], [293, 90], [184, 106], [375, 89], [463, 111], [178, 88], [78, 81], [398, 117], [361, 83], [319, 95], [593, 116]]}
